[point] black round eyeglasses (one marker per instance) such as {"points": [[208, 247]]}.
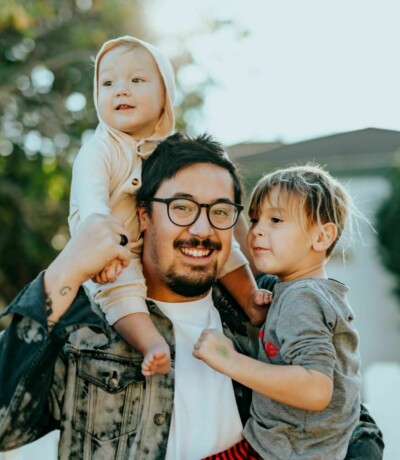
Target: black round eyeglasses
{"points": [[184, 212]]}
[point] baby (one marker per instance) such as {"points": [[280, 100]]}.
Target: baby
{"points": [[134, 91]]}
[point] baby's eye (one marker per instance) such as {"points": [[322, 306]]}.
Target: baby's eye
{"points": [[276, 220], [253, 221], [107, 83], [137, 80]]}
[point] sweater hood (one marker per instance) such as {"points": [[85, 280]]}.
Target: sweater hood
{"points": [[166, 123]]}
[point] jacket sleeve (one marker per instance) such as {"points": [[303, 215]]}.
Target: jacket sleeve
{"points": [[366, 442], [31, 390]]}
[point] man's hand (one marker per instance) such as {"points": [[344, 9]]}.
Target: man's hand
{"points": [[96, 243], [215, 349], [257, 307], [94, 246]]}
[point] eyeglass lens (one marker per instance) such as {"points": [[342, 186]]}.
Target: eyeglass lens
{"points": [[185, 212]]}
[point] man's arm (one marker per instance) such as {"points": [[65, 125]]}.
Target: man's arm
{"points": [[86, 254], [45, 312]]}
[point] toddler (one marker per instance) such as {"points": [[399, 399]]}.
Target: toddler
{"points": [[134, 91], [306, 381]]}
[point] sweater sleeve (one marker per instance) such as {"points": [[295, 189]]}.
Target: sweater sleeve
{"points": [[305, 330], [125, 296], [90, 188]]}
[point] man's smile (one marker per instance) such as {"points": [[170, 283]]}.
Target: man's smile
{"points": [[197, 249], [196, 253]]}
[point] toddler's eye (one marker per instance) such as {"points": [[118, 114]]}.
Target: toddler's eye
{"points": [[276, 220], [253, 221], [137, 80], [107, 83]]}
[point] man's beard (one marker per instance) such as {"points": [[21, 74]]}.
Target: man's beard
{"points": [[193, 284], [198, 280]]}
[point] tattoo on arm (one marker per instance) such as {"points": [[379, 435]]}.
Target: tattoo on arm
{"points": [[64, 291], [50, 324], [49, 305]]}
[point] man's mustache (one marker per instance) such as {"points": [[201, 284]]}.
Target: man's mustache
{"points": [[196, 243]]}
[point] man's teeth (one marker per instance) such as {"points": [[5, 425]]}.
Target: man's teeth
{"points": [[196, 252]]}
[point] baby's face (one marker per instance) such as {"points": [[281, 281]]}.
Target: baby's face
{"points": [[131, 94]]}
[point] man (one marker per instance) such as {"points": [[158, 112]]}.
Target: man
{"points": [[62, 367]]}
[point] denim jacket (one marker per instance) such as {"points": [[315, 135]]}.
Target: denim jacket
{"points": [[86, 381]]}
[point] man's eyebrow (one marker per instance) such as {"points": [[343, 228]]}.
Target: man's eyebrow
{"points": [[182, 195], [191, 197]]}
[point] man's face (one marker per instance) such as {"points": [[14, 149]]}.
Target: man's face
{"points": [[181, 263]]}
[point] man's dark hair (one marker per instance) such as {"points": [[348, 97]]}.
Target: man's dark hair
{"points": [[178, 152]]}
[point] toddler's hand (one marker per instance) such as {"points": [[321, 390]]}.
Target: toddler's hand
{"points": [[214, 349], [258, 304], [109, 273]]}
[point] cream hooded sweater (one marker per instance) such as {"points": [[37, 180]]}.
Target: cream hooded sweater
{"points": [[106, 178]]}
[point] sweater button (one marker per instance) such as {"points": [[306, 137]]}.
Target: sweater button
{"points": [[159, 419], [135, 181]]}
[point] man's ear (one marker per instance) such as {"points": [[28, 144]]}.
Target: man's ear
{"points": [[323, 237], [143, 218]]}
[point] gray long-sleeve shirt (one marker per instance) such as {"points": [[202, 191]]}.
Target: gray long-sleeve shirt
{"points": [[310, 324]]}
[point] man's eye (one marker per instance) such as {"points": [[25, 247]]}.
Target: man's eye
{"points": [[181, 208], [221, 212]]}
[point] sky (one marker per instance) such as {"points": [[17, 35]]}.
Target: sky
{"points": [[303, 69]]}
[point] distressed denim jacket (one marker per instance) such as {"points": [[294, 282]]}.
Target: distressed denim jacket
{"points": [[84, 380]]}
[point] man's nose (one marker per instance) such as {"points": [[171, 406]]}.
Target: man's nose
{"points": [[202, 226]]}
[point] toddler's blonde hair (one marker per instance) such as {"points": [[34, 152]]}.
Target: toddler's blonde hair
{"points": [[320, 196]]}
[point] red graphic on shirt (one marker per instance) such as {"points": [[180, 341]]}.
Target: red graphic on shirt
{"points": [[270, 348]]}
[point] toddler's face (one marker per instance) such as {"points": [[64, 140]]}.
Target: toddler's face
{"points": [[277, 241], [131, 92]]}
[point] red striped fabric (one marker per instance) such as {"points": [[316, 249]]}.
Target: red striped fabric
{"points": [[240, 451]]}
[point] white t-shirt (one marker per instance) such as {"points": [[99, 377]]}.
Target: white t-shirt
{"points": [[205, 418]]}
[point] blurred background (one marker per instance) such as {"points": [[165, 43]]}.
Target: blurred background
{"points": [[276, 83]]}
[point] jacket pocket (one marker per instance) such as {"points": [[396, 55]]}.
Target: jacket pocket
{"points": [[108, 396]]}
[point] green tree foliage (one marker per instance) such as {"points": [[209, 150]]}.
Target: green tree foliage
{"points": [[45, 107], [388, 228]]}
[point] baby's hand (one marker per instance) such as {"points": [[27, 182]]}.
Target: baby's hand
{"points": [[258, 304], [214, 349], [109, 273]]}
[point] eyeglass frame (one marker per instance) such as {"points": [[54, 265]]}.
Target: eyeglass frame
{"points": [[168, 201]]}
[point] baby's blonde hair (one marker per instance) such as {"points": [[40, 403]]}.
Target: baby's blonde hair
{"points": [[322, 198]]}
